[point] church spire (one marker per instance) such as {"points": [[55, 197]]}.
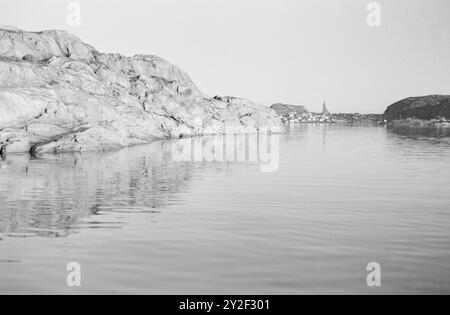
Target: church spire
{"points": [[325, 111]]}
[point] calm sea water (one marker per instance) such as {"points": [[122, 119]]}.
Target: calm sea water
{"points": [[141, 220]]}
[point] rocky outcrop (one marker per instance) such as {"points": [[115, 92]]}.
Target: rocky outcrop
{"points": [[58, 94], [423, 108], [284, 109]]}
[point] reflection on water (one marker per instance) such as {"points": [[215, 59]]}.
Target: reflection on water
{"points": [[420, 132], [51, 196], [145, 220]]}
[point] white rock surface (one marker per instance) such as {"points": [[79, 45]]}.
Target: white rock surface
{"points": [[58, 94]]}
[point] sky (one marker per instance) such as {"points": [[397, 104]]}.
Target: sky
{"points": [[298, 52]]}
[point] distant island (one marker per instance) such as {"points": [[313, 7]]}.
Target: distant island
{"points": [[300, 114], [420, 111]]}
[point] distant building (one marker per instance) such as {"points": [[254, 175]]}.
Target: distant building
{"points": [[325, 111]]}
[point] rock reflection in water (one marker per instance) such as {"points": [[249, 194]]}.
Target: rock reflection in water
{"points": [[54, 196], [51, 196], [418, 132]]}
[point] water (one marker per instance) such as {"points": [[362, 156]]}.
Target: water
{"points": [[141, 221]]}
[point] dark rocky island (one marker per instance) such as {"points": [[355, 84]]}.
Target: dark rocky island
{"points": [[425, 110]]}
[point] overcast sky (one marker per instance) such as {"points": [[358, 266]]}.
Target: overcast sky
{"points": [[292, 51]]}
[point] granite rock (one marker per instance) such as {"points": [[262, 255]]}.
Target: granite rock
{"points": [[59, 94]]}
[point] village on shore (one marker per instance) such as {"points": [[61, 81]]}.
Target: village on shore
{"points": [[294, 114]]}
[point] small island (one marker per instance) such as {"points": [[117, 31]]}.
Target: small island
{"points": [[431, 110]]}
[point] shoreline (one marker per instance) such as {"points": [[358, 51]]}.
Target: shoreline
{"points": [[420, 123], [35, 154]]}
